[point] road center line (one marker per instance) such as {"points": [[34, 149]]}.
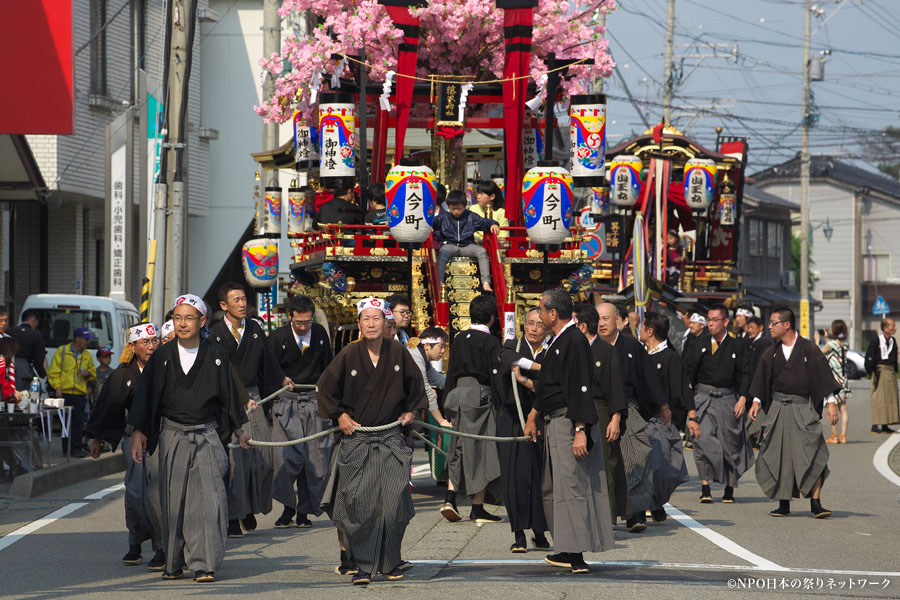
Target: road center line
{"points": [[99, 495], [11, 538], [880, 460], [723, 542]]}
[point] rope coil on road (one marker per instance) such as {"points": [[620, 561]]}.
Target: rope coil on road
{"points": [[321, 434]]}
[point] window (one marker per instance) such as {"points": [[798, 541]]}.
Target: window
{"points": [[98, 48], [756, 237], [58, 326], [835, 294], [773, 239], [876, 267]]}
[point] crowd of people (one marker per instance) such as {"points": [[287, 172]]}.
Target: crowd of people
{"points": [[606, 407]]}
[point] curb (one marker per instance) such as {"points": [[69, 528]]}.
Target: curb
{"points": [[64, 474]]}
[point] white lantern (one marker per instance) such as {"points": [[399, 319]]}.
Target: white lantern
{"points": [[337, 136], [699, 183], [411, 195], [300, 213], [548, 199], [532, 148], [259, 258], [306, 145], [587, 138], [271, 217], [625, 180]]}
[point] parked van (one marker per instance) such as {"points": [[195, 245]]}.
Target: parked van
{"points": [[59, 315]]}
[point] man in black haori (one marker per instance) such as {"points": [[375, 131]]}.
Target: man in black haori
{"points": [[718, 368], [478, 376], [521, 464], [758, 343], [371, 382], [612, 408], [108, 424], [188, 405], [576, 498], [667, 458], [881, 364], [252, 361], [303, 351], [792, 384], [645, 399]]}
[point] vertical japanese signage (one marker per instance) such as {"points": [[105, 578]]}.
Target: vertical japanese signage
{"points": [[118, 219], [154, 143]]}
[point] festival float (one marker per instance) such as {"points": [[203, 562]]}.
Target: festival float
{"points": [[586, 217]]}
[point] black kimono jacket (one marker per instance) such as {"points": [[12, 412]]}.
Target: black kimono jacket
{"points": [[566, 378], [806, 374], [480, 355], [526, 396], [641, 383], [873, 358], [608, 385], [209, 382], [675, 385], [371, 395], [729, 367], [107, 420], [252, 361], [308, 366]]}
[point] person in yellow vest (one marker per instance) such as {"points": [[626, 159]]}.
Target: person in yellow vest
{"points": [[489, 206], [71, 369]]}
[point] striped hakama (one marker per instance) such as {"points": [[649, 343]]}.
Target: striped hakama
{"points": [[636, 451], [143, 518], [884, 402], [306, 466], [793, 453], [192, 469], [473, 465], [252, 471], [666, 460], [722, 453], [372, 503], [576, 498], [616, 481]]}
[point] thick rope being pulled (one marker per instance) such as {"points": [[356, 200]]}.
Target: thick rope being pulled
{"points": [[315, 436], [273, 395]]}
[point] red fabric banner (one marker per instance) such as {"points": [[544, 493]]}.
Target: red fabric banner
{"points": [[517, 27], [407, 58]]}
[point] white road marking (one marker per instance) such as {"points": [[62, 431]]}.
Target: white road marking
{"points": [[651, 564], [723, 542], [421, 470], [880, 460], [11, 538], [99, 495]]}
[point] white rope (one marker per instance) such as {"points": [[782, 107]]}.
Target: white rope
{"points": [[272, 396]]}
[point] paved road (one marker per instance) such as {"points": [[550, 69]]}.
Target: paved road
{"points": [[706, 552]]}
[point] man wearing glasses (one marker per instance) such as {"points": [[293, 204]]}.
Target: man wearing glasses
{"points": [[107, 423], [792, 384], [400, 306], [303, 351], [718, 367], [255, 366]]}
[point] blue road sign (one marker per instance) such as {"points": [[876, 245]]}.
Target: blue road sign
{"points": [[881, 307]]}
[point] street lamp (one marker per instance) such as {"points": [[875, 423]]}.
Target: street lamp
{"points": [[828, 230]]}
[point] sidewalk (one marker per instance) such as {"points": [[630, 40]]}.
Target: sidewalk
{"points": [[62, 474]]}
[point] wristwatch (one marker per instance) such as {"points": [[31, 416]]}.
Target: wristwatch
{"points": [[580, 428], [694, 419]]}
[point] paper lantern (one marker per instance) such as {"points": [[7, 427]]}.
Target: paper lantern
{"points": [[699, 183], [337, 136], [587, 138], [625, 178], [411, 195], [300, 213], [260, 260], [727, 210], [548, 199], [599, 198], [306, 144], [271, 218]]}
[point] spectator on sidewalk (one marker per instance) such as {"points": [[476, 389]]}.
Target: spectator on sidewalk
{"points": [[31, 360], [4, 321], [881, 364], [71, 369], [835, 351]]}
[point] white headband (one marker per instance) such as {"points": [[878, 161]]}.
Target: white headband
{"points": [[744, 311], [388, 314], [142, 332], [695, 318], [432, 341], [167, 328], [371, 302], [194, 301]]}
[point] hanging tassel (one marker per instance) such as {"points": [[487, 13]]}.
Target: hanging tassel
{"points": [[314, 84], [336, 76], [463, 99]]}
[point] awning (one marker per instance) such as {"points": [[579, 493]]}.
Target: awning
{"points": [[20, 176], [774, 297]]}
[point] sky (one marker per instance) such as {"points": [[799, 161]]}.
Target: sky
{"points": [[756, 91]]}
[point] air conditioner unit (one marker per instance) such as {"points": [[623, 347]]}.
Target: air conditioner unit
{"points": [[788, 279]]}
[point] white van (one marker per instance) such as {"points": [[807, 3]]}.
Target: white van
{"points": [[59, 315]]}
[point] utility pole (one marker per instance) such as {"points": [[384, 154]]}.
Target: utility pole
{"points": [[668, 84], [271, 45], [598, 83], [804, 180]]}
